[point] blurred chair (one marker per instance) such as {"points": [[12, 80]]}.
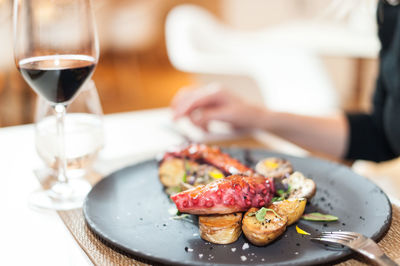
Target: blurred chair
{"points": [[283, 60]]}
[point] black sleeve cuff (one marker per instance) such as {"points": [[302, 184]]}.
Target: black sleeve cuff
{"points": [[366, 139]]}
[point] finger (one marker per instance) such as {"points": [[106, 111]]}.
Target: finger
{"points": [[197, 99], [202, 117], [180, 96], [196, 119], [220, 113]]}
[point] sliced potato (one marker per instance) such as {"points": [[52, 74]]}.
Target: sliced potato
{"points": [[293, 209], [301, 186], [171, 172], [261, 233], [274, 167], [185, 174], [221, 229]]}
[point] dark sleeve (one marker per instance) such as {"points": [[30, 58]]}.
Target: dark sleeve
{"points": [[367, 140], [375, 136]]}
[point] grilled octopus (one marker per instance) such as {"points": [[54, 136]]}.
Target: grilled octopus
{"points": [[236, 193], [213, 156]]}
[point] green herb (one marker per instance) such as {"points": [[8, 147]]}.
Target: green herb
{"points": [[181, 216], [187, 171], [275, 199], [184, 177], [260, 214], [178, 213], [280, 192], [319, 217], [173, 190]]}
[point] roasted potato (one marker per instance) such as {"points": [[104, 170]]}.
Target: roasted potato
{"points": [[221, 228], [301, 186], [274, 167], [261, 233], [171, 172], [293, 209], [185, 174]]}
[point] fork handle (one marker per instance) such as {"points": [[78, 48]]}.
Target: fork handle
{"points": [[385, 261]]}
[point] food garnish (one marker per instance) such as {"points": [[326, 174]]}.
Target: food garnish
{"points": [[179, 217], [216, 175], [173, 190], [282, 194], [319, 217], [271, 164], [301, 231], [207, 182], [260, 214]]}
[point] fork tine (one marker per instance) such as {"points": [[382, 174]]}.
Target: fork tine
{"points": [[338, 235], [330, 240], [345, 233]]}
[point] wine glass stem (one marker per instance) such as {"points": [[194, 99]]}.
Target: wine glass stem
{"points": [[60, 110]]}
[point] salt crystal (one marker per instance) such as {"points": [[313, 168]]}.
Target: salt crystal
{"points": [[245, 246], [172, 211], [243, 258], [195, 234], [233, 249], [190, 250], [200, 256], [297, 253]]}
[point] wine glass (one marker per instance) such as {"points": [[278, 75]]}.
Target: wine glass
{"points": [[84, 133], [56, 50]]}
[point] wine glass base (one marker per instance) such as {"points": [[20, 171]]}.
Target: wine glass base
{"points": [[61, 196]]}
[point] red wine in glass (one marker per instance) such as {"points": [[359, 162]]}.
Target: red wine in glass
{"points": [[57, 77], [56, 49]]}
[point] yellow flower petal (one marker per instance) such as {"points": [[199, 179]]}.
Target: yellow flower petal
{"points": [[216, 175], [300, 231], [271, 164]]}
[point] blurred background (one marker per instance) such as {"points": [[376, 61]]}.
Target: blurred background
{"points": [[326, 48]]}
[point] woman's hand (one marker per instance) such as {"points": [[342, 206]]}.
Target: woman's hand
{"points": [[213, 102], [324, 134]]}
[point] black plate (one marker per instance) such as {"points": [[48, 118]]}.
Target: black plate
{"points": [[130, 211]]}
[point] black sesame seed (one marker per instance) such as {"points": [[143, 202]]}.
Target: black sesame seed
{"points": [[186, 249]]}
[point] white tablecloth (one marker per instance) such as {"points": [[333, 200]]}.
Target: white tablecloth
{"points": [[32, 237]]}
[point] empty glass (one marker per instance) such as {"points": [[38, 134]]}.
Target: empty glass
{"points": [[84, 136]]}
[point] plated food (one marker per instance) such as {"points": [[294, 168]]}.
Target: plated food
{"points": [[129, 210], [230, 197]]}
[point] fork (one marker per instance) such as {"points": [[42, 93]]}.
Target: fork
{"points": [[358, 243]]}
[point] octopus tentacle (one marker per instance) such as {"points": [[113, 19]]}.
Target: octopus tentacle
{"points": [[236, 193], [213, 156]]}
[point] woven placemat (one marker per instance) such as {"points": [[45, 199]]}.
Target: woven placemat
{"points": [[102, 254]]}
